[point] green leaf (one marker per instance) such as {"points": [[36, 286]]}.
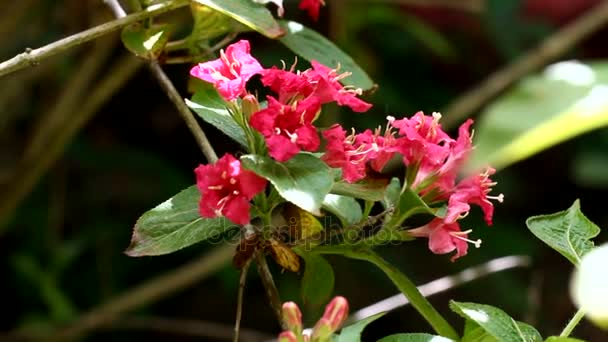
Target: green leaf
{"points": [[303, 180], [411, 208], [145, 42], [569, 232], [209, 24], [415, 337], [312, 46], [568, 99], [496, 322], [210, 106], [477, 334], [562, 339], [251, 14], [367, 189], [173, 225], [318, 279], [347, 209], [352, 333]]}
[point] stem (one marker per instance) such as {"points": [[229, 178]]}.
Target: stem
{"points": [[271, 289], [403, 283], [33, 57], [573, 323], [239, 304]]}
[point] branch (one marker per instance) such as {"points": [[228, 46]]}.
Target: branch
{"points": [[33, 57], [148, 292], [550, 49], [271, 288]]}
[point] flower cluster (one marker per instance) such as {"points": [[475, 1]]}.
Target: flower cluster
{"points": [[334, 316]]}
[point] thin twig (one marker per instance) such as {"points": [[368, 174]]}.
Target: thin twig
{"points": [[271, 288], [549, 50], [148, 292], [239, 303], [32, 57], [443, 284]]}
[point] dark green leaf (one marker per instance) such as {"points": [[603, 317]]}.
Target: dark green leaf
{"points": [[251, 14], [352, 333], [569, 232], [496, 322], [318, 279], [411, 208], [415, 337], [562, 339], [173, 225], [568, 99], [367, 189], [347, 209], [208, 104], [312, 46], [145, 42], [303, 180]]}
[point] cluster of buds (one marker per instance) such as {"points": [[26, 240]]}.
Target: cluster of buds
{"points": [[334, 316]]}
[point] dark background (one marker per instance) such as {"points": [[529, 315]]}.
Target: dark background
{"points": [[61, 250]]}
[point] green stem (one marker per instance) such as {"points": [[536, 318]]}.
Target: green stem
{"points": [[573, 323], [403, 283]]}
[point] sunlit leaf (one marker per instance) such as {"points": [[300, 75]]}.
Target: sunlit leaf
{"points": [[347, 209], [145, 42]]}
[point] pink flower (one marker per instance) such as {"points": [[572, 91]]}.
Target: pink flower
{"points": [[231, 71], [473, 190], [352, 153], [226, 189], [445, 237], [289, 86], [329, 88], [288, 129], [312, 7]]}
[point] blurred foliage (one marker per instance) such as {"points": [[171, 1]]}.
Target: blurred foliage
{"points": [[62, 253]]}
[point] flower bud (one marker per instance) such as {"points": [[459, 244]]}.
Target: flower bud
{"points": [[287, 336], [335, 314], [250, 105], [590, 286], [292, 317]]}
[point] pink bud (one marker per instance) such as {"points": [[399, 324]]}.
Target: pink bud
{"points": [[287, 336], [292, 316], [335, 314]]}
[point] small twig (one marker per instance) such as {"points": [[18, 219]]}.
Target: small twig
{"points": [[150, 291], [443, 284], [33, 56], [239, 303], [271, 289], [550, 49]]}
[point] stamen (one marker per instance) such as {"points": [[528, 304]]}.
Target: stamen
{"points": [[232, 181], [215, 187], [500, 198], [476, 243], [224, 175]]}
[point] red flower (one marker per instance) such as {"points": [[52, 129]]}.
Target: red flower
{"points": [[312, 7], [226, 189], [473, 190], [329, 89], [289, 86], [445, 237], [231, 71], [288, 129]]}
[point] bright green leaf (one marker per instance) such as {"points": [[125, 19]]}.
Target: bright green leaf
{"points": [[208, 23], [415, 337], [318, 279], [312, 46], [569, 232], [496, 322], [249, 13], [145, 42], [303, 180], [352, 333], [477, 334], [367, 189], [208, 104], [562, 339], [173, 225], [347, 209]]}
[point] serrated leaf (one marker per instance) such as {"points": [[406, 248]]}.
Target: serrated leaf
{"points": [[209, 105], [568, 99], [145, 42], [312, 46], [562, 339], [249, 13], [352, 333], [303, 180], [496, 322], [318, 279], [414, 337], [367, 189], [347, 209], [173, 225], [569, 232]]}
